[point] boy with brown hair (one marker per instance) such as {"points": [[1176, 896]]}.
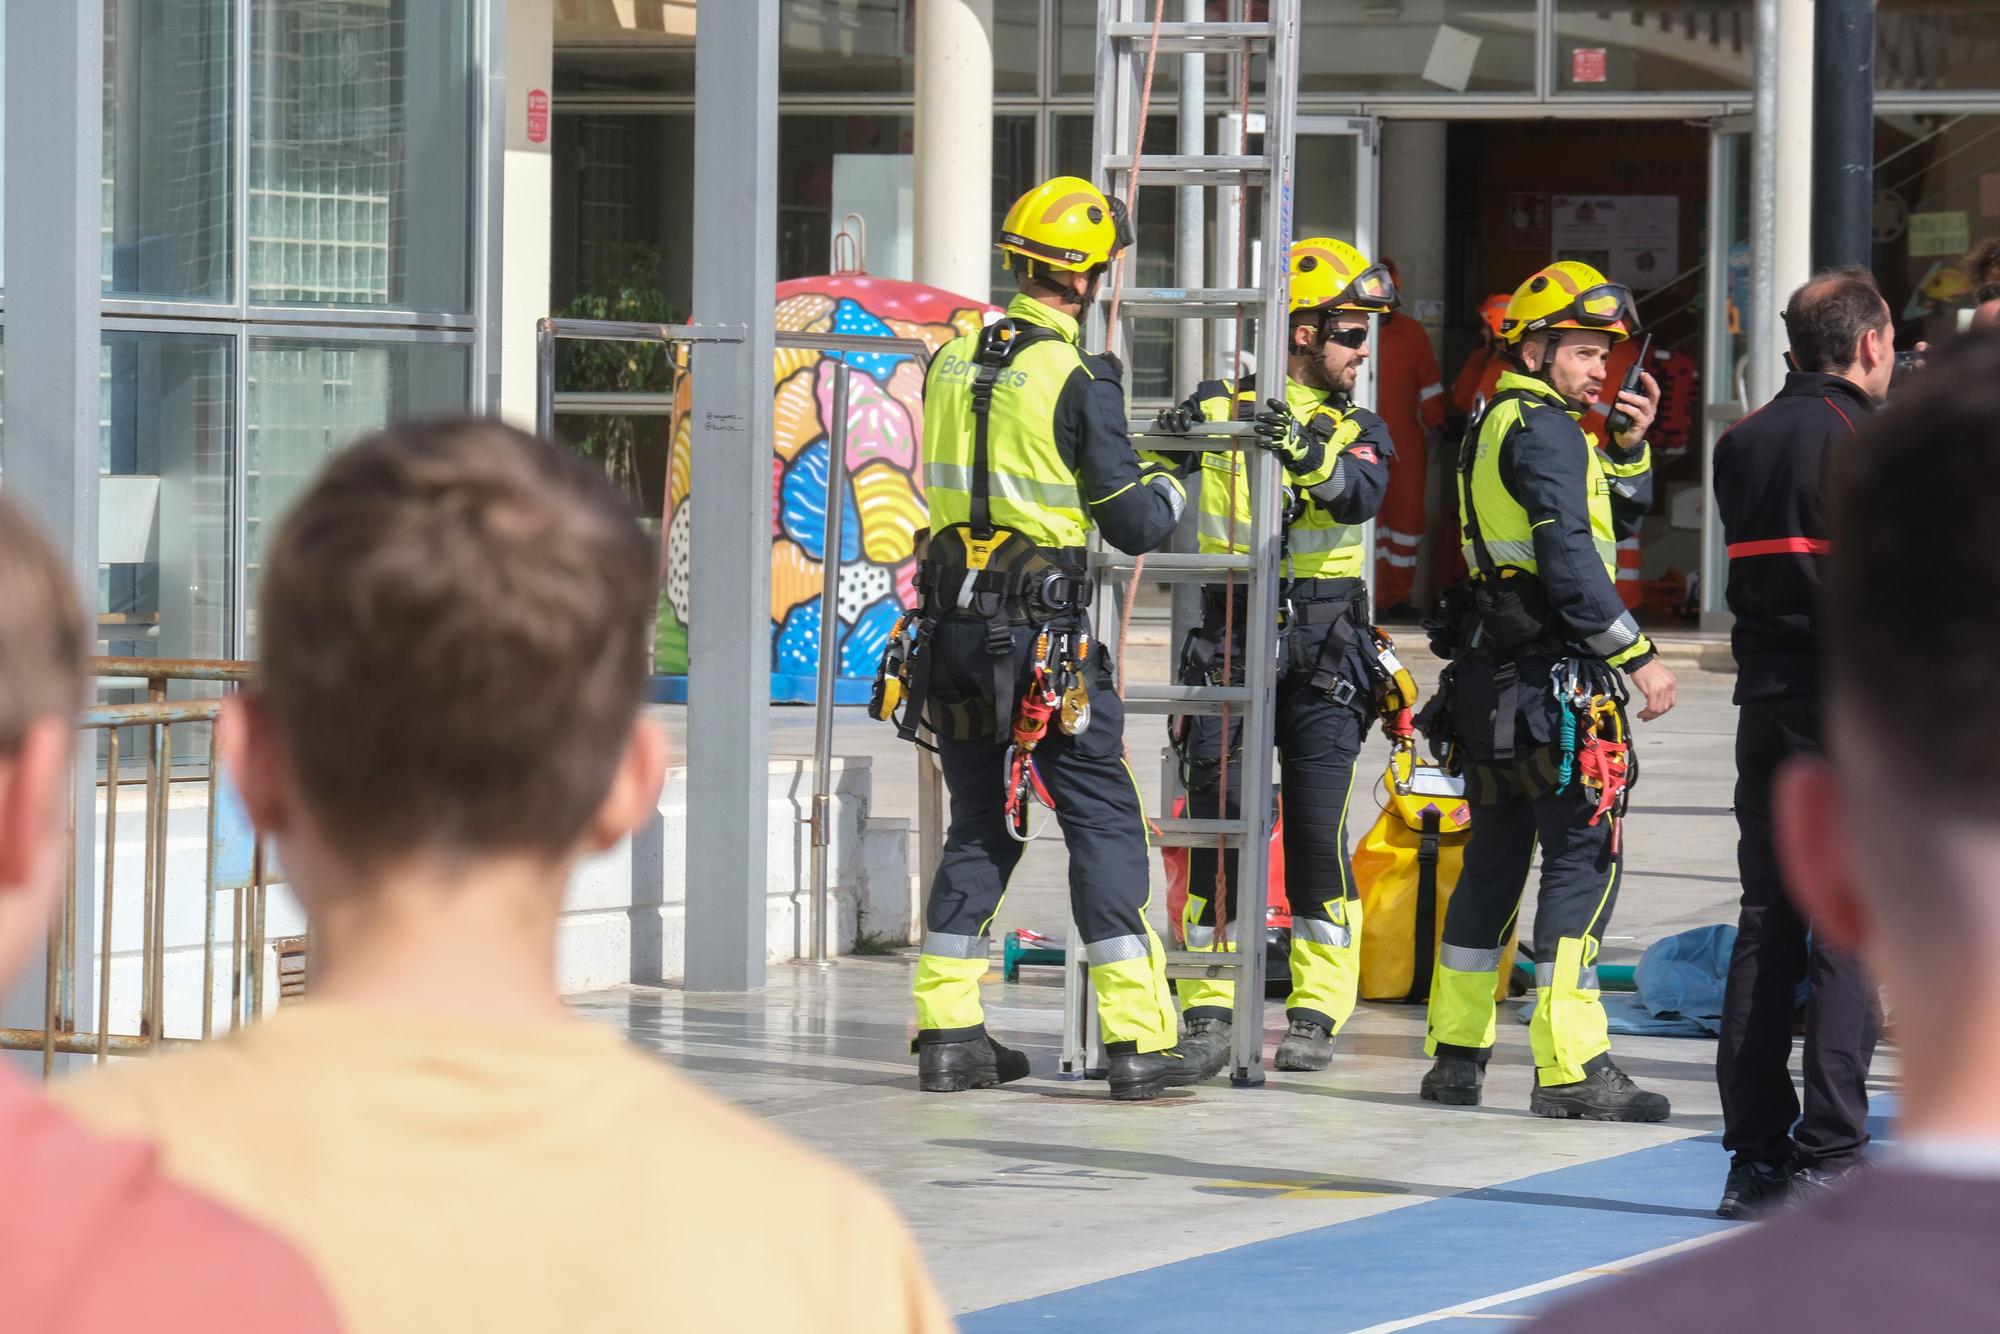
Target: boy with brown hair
{"points": [[453, 626], [92, 1236]]}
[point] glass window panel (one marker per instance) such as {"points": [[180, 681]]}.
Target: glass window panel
{"points": [[1076, 52], [169, 99], [1017, 46], [308, 398], [628, 208], [1013, 176], [353, 103], [166, 539], [1654, 46], [825, 46], [1930, 195], [847, 46], [1437, 46], [829, 166], [1926, 45], [1443, 46]]}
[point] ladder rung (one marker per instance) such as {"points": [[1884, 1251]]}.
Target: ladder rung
{"points": [[1189, 37], [1191, 302], [1179, 567], [1144, 426], [1200, 439], [1181, 833], [1205, 169], [1185, 699], [1201, 961]]}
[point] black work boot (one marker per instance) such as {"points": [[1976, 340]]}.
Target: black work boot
{"points": [[1207, 1037], [1308, 1045], [971, 1063], [1753, 1188], [1139, 1075], [1605, 1093], [1810, 1182], [1454, 1081]]}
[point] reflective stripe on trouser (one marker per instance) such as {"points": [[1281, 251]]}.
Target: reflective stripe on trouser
{"points": [[1104, 828], [1325, 961], [1318, 741], [1578, 889]]}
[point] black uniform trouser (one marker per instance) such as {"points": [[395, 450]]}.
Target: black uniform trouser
{"points": [[1573, 905], [1774, 953], [1318, 739], [1097, 805]]}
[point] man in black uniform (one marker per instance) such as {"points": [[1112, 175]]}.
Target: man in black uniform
{"points": [[1770, 471]]}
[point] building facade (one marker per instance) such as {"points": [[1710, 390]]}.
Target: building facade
{"points": [[294, 216]]}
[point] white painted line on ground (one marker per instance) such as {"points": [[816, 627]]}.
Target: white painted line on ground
{"points": [[1473, 1308]]}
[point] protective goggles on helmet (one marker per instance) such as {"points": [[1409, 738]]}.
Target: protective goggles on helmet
{"points": [[1606, 306], [1374, 289]]}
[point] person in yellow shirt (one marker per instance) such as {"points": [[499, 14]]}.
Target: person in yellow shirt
{"points": [[446, 719]]}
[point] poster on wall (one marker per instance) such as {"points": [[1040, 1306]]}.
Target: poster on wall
{"points": [[1942, 233], [1632, 239]]}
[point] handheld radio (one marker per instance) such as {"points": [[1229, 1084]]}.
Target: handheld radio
{"points": [[1620, 421]]}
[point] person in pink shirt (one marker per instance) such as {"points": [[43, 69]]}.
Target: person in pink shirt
{"points": [[92, 1236]]}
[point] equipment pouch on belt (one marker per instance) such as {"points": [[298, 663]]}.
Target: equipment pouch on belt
{"points": [[1510, 610]]}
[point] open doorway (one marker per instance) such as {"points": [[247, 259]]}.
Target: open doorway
{"points": [[1470, 208]]}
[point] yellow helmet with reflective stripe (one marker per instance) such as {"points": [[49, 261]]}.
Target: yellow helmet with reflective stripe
{"points": [[1333, 275], [1065, 223], [1569, 294]]}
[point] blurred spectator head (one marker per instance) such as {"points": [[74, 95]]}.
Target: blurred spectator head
{"points": [[1986, 306], [42, 645], [1892, 844], [453, 627], [1983, 264], [1839, 324]]}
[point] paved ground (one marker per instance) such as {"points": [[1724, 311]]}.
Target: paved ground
{"points": [[1335, 1201]]}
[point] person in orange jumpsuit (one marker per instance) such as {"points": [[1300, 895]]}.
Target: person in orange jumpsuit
{"points": [[1409, 397], [1482, 368]]}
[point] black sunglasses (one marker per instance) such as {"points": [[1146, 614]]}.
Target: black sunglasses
{"points": [[1347, 338]]}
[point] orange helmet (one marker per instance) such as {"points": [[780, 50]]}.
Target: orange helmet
{"points": [[1493, 310]]}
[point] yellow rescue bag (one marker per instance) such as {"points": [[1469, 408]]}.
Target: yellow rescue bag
{"points": [[1406, 868]]}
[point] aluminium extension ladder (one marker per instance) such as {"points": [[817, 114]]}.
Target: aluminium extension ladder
{"points": [[1125, 31]]}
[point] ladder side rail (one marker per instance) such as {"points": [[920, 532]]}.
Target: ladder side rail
{"points": [[1113, 73], [1261, 634]]}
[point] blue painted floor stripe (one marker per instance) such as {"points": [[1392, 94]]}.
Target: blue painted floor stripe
{"points": [[1414, 1260], [1408, 1261]]}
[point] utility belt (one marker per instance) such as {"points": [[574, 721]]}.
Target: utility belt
{"points": [[1498, 619], [1004, 580], [1342, 605]]}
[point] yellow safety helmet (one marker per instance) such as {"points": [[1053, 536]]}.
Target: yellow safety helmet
{"points": [[1065, 223], [1569, 294], [1333, 275]]}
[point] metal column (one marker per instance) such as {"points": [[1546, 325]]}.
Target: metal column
{"points": [[1843, 132], [54, 140], [729, 642]]}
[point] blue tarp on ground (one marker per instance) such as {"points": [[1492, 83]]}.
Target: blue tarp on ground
{"points": [[1680, 982]]}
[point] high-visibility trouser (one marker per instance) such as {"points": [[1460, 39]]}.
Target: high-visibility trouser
{"points": [[1318, 740], [1104, 826], [1579, 887]]}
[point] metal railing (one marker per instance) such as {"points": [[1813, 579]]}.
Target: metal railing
{"points": [[550, 402], [234, 864]]}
